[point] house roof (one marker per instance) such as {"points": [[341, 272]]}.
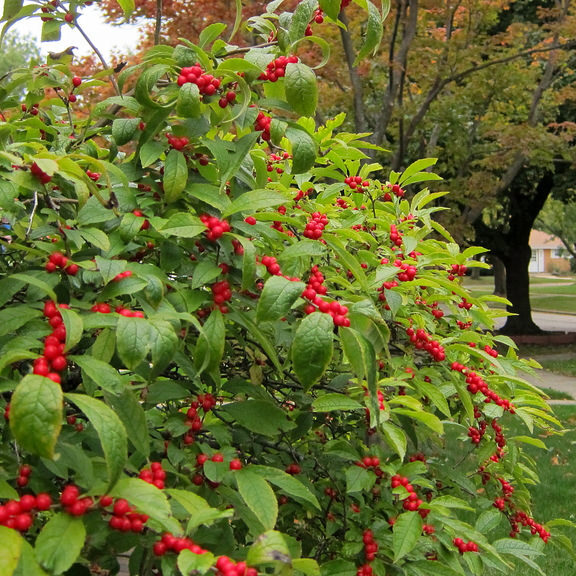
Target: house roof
{"points": [[543, 241]]}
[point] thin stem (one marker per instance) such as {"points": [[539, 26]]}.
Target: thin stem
{"points": [[30, 220], [158, 23]]}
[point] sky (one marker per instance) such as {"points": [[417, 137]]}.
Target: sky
{"points": [[106, 37]]}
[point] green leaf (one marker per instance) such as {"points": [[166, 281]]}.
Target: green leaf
{"points": [[210, 346], [312, 348], [307, 566], [101, 373], [11, 9], [303, 149], [163, 344], [338, 567], [175, 175], [124, 130], [259, 416], [96, 237], [60, 542], [192, 563], [110, 430], [348, 260], [489, 520], [151, 151], [406, 531], [74, 327], [210, 33], [258, 496], [15, 317], [36, 413], [301, 18], [358, 479], [270, 547], [32, 280], [334, 401], [183, 225], [395, 437], [255, 200], [130, 411], [303, 248], [289, 484], [146, 84], [301, 89], [190, 501], [132, 340], [147, 499], [331, 8], [373, 34], [204, 273], [415, 168], [127, 6], [189, 104], [51, 32], [277, 298], [11, 549]]}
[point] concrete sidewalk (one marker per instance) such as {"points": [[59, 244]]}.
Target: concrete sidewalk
{"points": [[547, 379]]}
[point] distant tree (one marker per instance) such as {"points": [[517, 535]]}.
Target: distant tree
{"points": [[17, 51], [559, 219]]}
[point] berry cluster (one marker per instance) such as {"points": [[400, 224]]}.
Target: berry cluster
{"points": [[171, 543], [465, 546], [477, 384], [407, 271], [23, 475], [272, 265], [124, 518], [206, 83], [193, 420], [262, 124], [293, 469], [521, 518], [311, 293], [221, 294], [392, 189], [318, 16], [154, 475], [457, 270], [413, 502], [53, 360], [277, 68], [422, 341], [395, 235], [177, 143], [140, 214], [17, 514], [370, 551], [36, 171], [315, 226], [357, 184], [227, 567], [122, 275], [33, 111], [369, 462], [216, 227], [94, 176], [72, 503], [57, 260], [491, 351], [227, 99]]}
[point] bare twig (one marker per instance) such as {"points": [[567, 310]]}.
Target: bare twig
{"points": [[32, 214]]}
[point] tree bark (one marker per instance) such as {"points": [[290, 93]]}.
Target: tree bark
{"points": [[499, 276]]}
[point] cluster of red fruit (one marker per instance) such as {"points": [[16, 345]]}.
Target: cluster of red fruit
{"points": [[221, 294], [277, 68], [57, 260], [390, 189], [521, 518], [94, 176], [457, 270], [171, 543], [178, 143], [23, 475], [262, 123], [53, 360], [140, 214], [293, 469], [122, 275], [464, 304], [422, 341], [477, 384], [272, 265], [370, 551], [193, 420], [105, 308], [33, 110], [216, 227], [124, 518], [395, 235], [154, 475], [315, 226], [72, 503], [206, 83], [370, 462], [465, 546], [311, 293], [227, 99], [413, 502], [407, 271], [36, 171], [357, 184], [18, 514]]}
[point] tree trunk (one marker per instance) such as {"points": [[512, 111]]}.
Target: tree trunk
{"points": [[518, 292], [499, 276]]}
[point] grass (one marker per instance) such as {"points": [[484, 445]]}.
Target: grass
{"points": [[565, 366], [554, 496], [556, 394]]}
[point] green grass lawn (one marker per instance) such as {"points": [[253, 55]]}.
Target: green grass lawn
{"points": [[566, 367], [554, 497]]}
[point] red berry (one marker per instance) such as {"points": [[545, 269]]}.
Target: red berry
{"points": [[76, 81]]}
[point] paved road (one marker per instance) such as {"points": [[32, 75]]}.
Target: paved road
{"points": [[550, 321]]}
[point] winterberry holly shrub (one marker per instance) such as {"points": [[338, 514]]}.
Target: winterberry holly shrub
{"points": [[229, 345]]}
